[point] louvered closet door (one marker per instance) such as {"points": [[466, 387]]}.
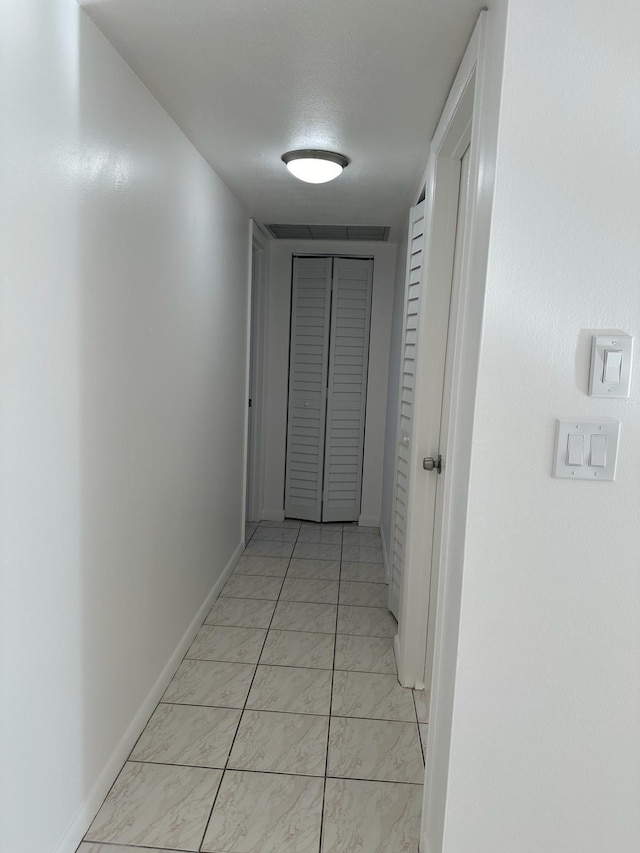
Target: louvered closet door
{"points": [[308, 365], [347, 388], [413, 295]]}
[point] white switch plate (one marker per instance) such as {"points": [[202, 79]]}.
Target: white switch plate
{"points": [[599, 346], [607, 428]]}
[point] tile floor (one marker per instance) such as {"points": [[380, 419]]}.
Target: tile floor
{"points": [[284, 730]]}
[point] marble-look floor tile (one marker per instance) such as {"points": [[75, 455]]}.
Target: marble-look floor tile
{"points": [[223, 643], [260, 548], [184, 734], [274, 566], [322, 525], [287, 522], [314, 569], [303, 616], [249, 530], [157, 805], [293, 689], [316, 591], [366, 621], [86, 847], [252, 586], [372, 695], [362, 554], [365, 654], [265, 813], [364, 594], [203, 682], [241, 612], [363, 572], [276, 534], [282, 743], [325, 536], [317, 551], [375, 749], [298, 648], [424, 731], [422, 699], [371, 817]]}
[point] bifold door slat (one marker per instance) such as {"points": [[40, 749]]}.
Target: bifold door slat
{"points": [[347, 388], [308, 365]]}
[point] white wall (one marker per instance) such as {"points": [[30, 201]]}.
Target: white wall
{"points": [[124, 288], [545, 745], [277, 367]]}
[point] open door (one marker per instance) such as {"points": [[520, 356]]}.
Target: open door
{"points": [[446, 200], [412, 302]]}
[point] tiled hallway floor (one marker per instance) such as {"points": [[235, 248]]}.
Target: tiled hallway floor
{"points": [[284, 729]]}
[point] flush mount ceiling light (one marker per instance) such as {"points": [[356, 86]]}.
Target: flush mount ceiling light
{"points": [[314, 166]]}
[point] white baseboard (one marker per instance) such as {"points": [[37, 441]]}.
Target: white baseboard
{"points": [[424, 846], [272, 515], [385, 555], [369, 521], [94, 799], [396, 652]]}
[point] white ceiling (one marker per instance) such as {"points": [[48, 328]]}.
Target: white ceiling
{"points": [[247, 80]]}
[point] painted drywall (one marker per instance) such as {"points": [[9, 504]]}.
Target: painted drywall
{"points": [[393, 390], [545, 742], [124, 305], [276, 359]]}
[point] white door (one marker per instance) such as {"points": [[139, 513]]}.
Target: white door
{"points": [[446, 411], [413, 292], [347, 388], [308, 368], [328, 364]]}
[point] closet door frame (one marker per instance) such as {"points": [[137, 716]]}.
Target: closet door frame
{"points": [[332, 256]]}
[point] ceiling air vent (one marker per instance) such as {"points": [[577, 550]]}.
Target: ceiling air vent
{"points": [[378, 233]]}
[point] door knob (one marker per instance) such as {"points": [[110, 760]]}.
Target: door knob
{"points": [[429, 463]]}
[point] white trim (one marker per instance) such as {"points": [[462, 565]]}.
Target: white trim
{"points": [[247, 372], [385, 553], [485, 55], [94, 799], [258, 241]]}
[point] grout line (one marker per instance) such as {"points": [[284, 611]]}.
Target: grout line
{"points": [[293, 713], [116, 844], [268, 773], [289, 601]]}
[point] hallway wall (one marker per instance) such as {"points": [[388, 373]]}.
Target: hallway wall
{"points": [[124, 304], [545, 747], [278, 308]]}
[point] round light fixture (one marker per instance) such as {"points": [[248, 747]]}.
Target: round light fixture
{"points": [[314, 166]]}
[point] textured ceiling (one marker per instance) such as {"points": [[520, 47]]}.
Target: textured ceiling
{"points": [[247, 80]]}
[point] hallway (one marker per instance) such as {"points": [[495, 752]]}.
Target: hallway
{"points": [[284, 730]]}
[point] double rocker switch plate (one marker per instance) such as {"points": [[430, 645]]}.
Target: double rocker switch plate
{"points": [[586, 449]]}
